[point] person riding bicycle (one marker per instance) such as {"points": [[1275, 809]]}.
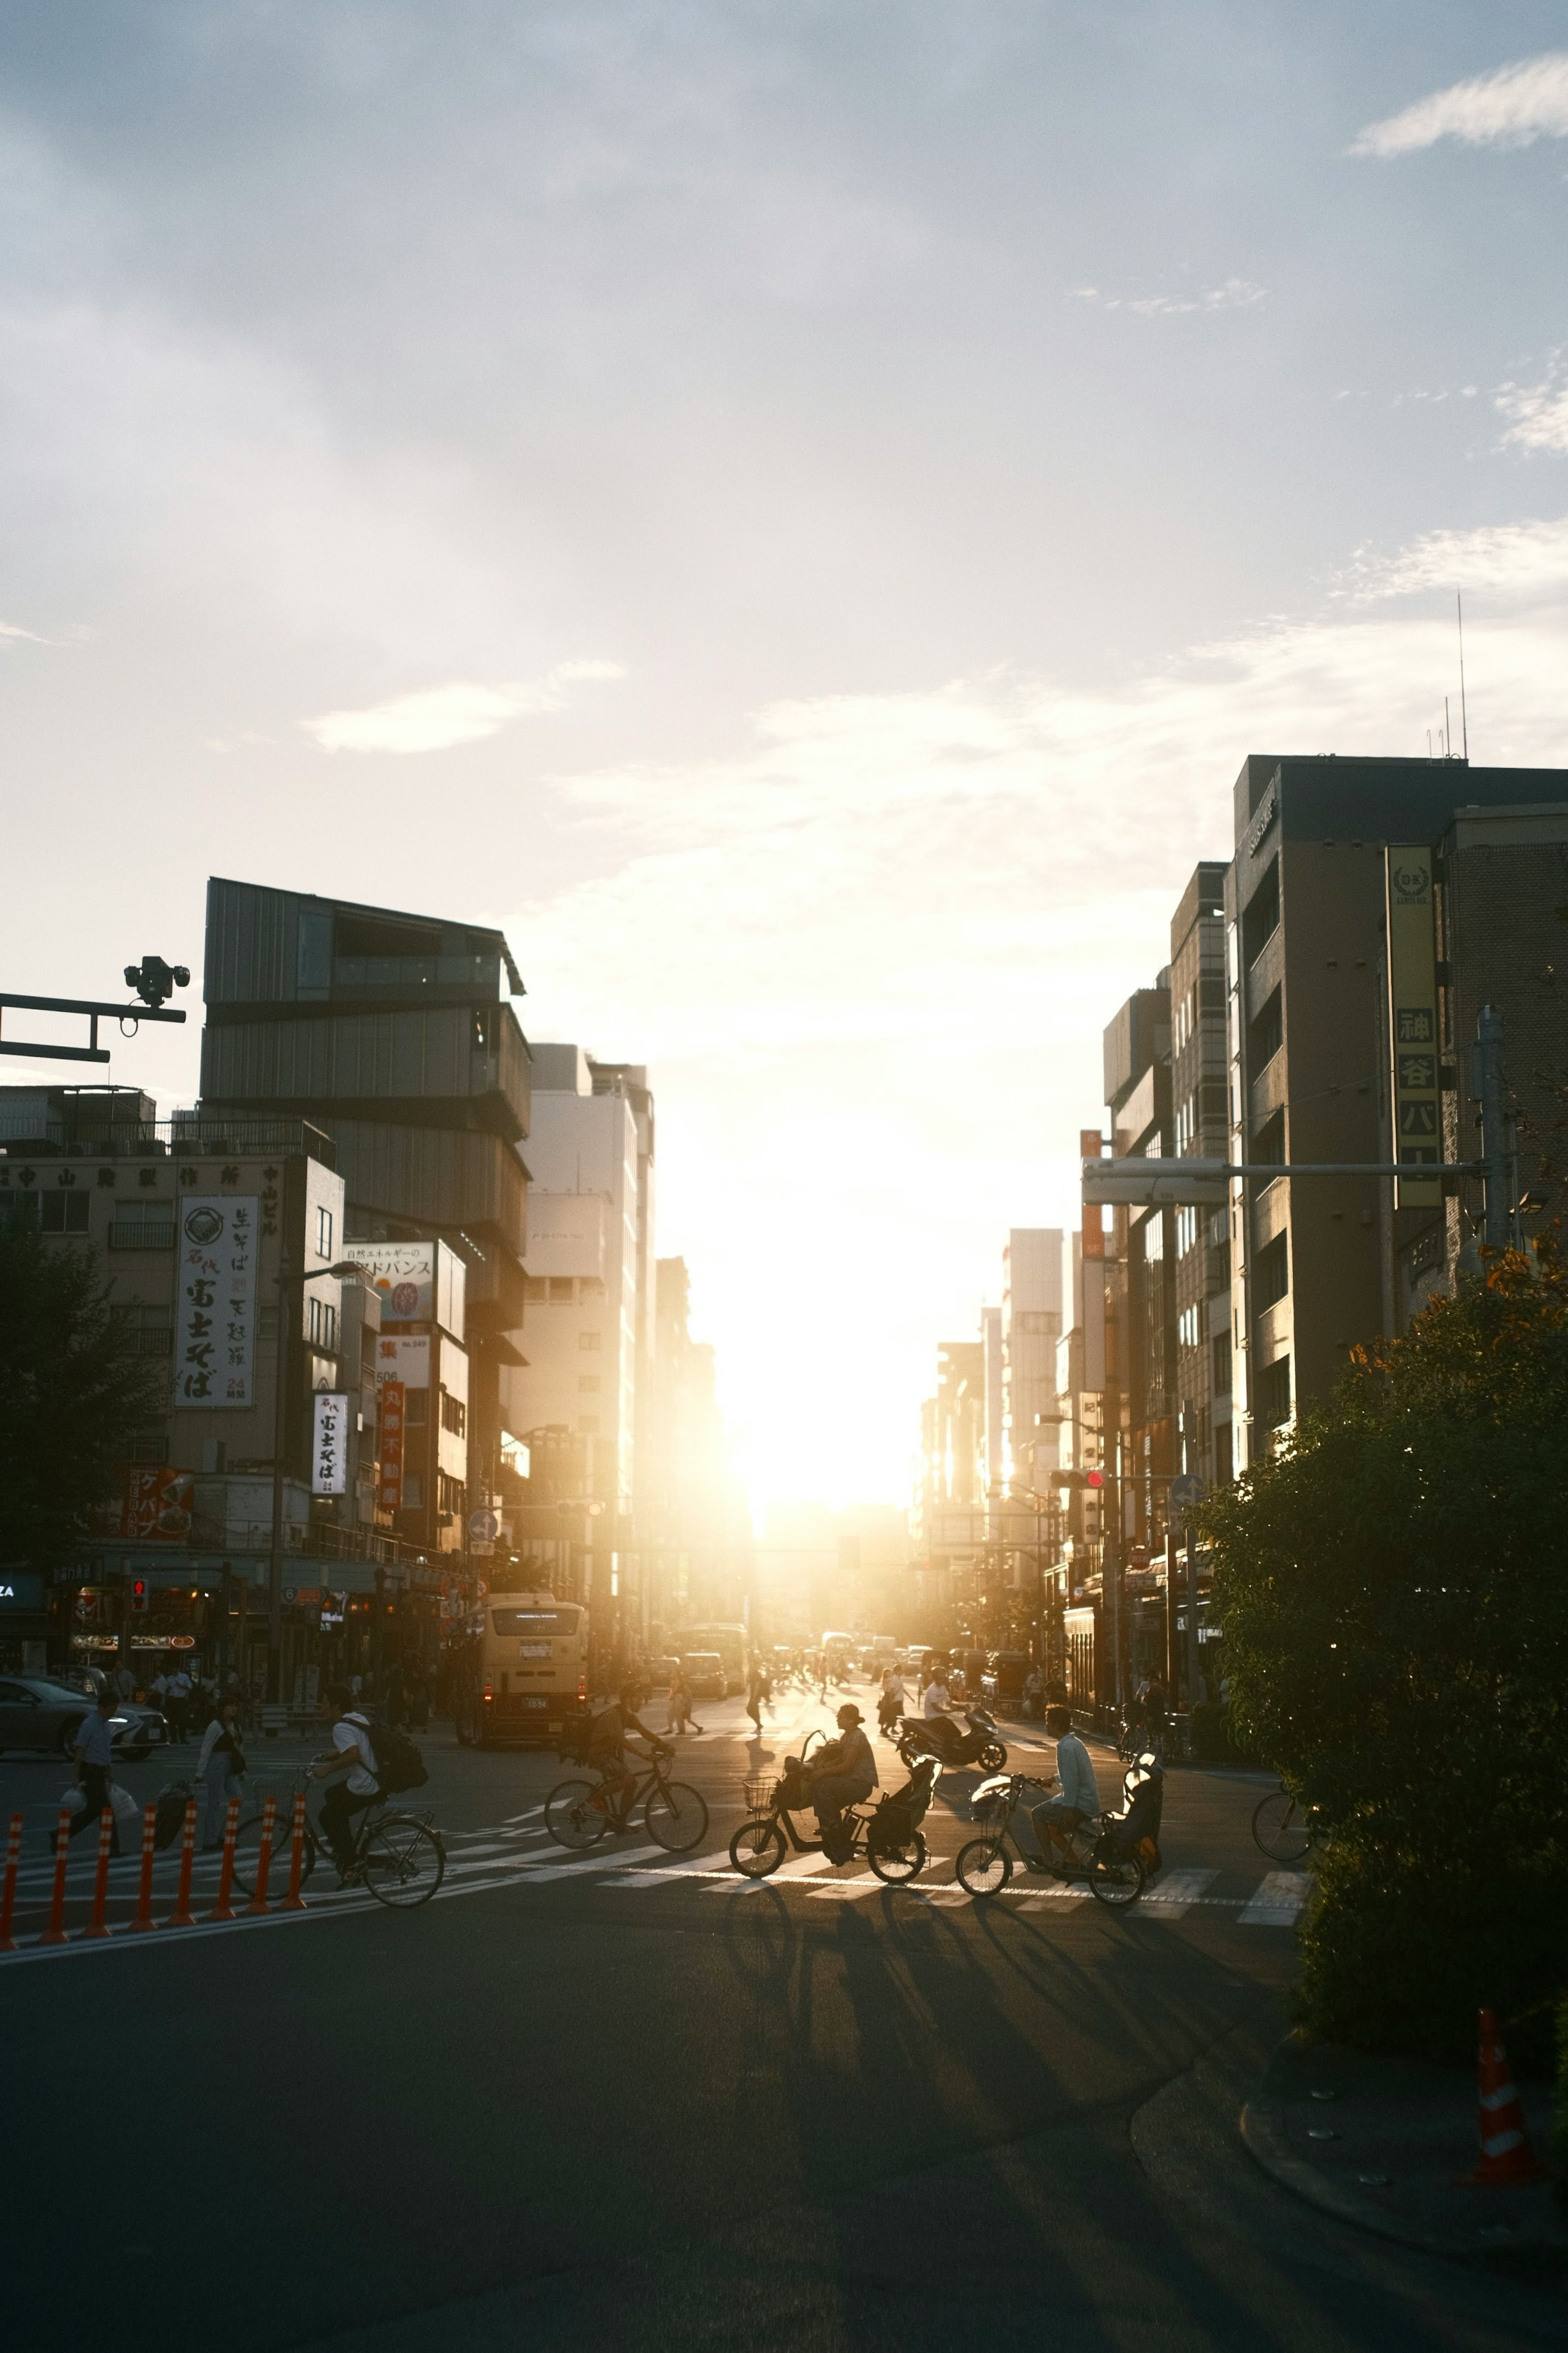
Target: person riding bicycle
{"points": [[355, 1751], [1078, 1802], [850, 1774], [607, 1743]]}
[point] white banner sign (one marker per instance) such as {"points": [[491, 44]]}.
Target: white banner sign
{"points": [[404, 1274], [403, 1356], [214, 1327], [330, 1457]]}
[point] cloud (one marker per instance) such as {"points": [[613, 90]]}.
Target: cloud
{"points": [[1512, 107], [9, 629], [1537, 414], [1236, 294], [437, 717], [885, 935]]}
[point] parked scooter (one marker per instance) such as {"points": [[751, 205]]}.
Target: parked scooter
{"points": [[939, 1737]]}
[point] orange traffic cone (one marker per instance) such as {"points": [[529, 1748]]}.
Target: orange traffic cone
{"points": [[1505, 2159]]}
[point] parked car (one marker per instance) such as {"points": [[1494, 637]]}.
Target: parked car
{"points": [[44, 1716], [705, 1674], [1003, 1681]]}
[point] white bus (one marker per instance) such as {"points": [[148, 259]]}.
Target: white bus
{"points": [[530, 1670], [733, 1644]]}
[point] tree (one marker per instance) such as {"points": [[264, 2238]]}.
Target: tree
{"points": [[71, 1393], [1392, 1588]]}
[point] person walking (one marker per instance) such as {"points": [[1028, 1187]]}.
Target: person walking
{"points": [[220, 1768], [756, 1691], [178, 1703], [677, 1712], [93, 1758]]}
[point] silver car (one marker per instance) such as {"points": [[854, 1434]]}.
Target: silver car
{"points": [[44, 1717]]}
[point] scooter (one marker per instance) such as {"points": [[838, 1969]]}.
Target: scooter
{"points": [[938, 1736]]}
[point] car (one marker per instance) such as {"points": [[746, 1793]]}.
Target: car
{"points": [[705, 1674], [41, 1715], [655, 1675]]}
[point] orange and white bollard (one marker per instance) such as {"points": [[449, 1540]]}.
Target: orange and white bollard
{"points": [[54, 1933], [1506, 2158], [98, 1925], [145, 1919], [264, 1859], [180, 1917], [294, 1900], [8, 1895], [223, 1909]]}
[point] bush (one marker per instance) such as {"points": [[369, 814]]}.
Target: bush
{"points": [[1212, 1733], [1559, 2139], [1392, 1588]]}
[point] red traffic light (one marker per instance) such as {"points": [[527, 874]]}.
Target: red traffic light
{"points": [[1094, 1478], [138, 1593], [1076, 1479]]}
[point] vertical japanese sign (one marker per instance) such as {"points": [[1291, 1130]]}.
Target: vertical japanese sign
{"points": [[329, 1454], [393, 1399], [215, 1311], [1090, 1147], [1413, 1022]]}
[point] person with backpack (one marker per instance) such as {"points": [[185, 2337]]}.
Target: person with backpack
{"points": [[354, 1757], [221, 1769]]}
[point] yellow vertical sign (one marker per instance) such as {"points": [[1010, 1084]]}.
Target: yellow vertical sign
{"points": [[1413, 1021]]}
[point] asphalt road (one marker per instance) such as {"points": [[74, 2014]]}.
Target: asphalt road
{"points": [[572, 2105]]}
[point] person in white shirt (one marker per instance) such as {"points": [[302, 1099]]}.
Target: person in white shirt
{"points": [[936, 1701], [893, 1702], [1078, 1800], [352, 1748], [220, 1767]]}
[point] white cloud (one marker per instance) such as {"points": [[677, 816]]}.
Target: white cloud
{"points": [[1234, 294], [868, 958], [437, 717], [9, 629], [1537, 414], [1512, 107]]}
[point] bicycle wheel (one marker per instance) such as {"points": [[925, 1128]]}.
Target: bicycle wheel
{"points": [[984, 1867], [757, 1848], [1115, 1878], [571, 1816], [401, 1864], [895, 1865], [248, 1852], [1281, 1828], [676, 1816]]}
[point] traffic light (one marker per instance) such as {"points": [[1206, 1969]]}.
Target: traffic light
{"points": [[139, 1596], [1076, 1479]]}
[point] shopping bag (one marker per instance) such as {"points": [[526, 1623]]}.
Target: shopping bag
{"points": [[126, 1809], [74, 1798]]}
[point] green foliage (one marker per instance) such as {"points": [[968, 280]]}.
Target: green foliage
{"points": [[70, 1395], [1213, 1733], [1560, 2140], [1393, 1591]]}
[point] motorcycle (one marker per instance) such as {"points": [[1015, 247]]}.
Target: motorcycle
{"points": [[938, 1736]]}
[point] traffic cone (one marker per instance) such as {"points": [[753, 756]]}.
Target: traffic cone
{"points": [[1507, 2158]]}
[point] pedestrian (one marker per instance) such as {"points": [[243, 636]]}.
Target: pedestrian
{"points": [[756, 1686], [176, 1703], [94, 1755], [221, 1769], [1034, 1691], [124, 1681], [419, 1704]]}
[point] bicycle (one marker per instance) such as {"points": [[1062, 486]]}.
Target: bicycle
{"points": [[762, 1841], [399, 1856], [984, 1867], [579, 1814], [1283, 1828]]}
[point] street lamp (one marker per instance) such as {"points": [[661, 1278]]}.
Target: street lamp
{"points": [[344, 1270]]}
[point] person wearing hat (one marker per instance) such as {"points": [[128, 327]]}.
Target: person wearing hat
{"points": [[846, 1772]]}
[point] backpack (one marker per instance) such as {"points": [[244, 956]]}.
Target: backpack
{"points": [[398, 1763]]}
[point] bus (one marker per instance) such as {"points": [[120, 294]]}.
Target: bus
{"points": [[530, 1671], [733, 1644]]}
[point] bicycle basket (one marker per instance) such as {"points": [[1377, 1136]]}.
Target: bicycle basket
{"points": [[759, 1795]]}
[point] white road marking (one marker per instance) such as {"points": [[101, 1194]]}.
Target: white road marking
{"points": [[1278, 1900], [866, 1883], [1176, 1892]]}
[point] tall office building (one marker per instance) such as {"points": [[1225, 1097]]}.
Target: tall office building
{"points": [[1202, 1286], [394, 1033], [1030, 1327]]}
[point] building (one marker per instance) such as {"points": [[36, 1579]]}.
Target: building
{"points": [[423, 1384], [216, 1233], [1030, 1326], [394, 1034], [1198, 1096], [693, 1527], [1142, 1403]]}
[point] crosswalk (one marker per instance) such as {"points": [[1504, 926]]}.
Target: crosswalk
{"points": [[517, 1855]]}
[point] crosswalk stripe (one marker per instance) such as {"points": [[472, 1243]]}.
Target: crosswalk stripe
{"points": [[866, 1883], [1177, 1890], [1278, 1900]]}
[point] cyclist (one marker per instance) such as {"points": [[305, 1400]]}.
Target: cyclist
{"points": [[608, 1745], [851, 1774], [354, 1751], [1078, 1802]]}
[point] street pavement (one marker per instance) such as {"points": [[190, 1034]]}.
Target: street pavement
{"points": [[631, 2098]]}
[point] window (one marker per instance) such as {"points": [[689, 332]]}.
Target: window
{"points": [[561, 1286], [1266, 1033], [1222, 1463], [147, 1446], [587, 1339], [1189, 1327], [62, 1213], [413, 1491], [1270, 1274], [535, 1286], [324, 1232], [1261, 918], [593, 1287], [413, 1407], [19, 1208], [451, 1496], [145, 1225], [321, 1326], [588, 1384], [1273, 1399], [1222, 1365], [454, 1414], [147, 1330], [1269, 1143]]}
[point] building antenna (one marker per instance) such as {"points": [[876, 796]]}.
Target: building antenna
{"points": [[1464, 715], [1448, 732]]}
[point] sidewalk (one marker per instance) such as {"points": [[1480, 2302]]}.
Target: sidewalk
{"points": [[1385, 2143]]}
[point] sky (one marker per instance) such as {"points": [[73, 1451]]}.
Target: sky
{"points": [[798, 511]]}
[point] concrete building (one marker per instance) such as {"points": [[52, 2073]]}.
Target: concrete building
{"points": [[394, 1032], [1142, 1380], [1198, 1094], [1030, 1326]]}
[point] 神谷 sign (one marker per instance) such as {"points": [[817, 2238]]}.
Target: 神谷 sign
{"points": [[215, 1308]]}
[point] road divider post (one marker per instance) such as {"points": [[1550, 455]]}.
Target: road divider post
{"points": [[8, 1895], [180, 1917], [98, 1925], [54, 1933], [294, 1900], [259, 1902], [144, 1920], [223, 1909]]}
